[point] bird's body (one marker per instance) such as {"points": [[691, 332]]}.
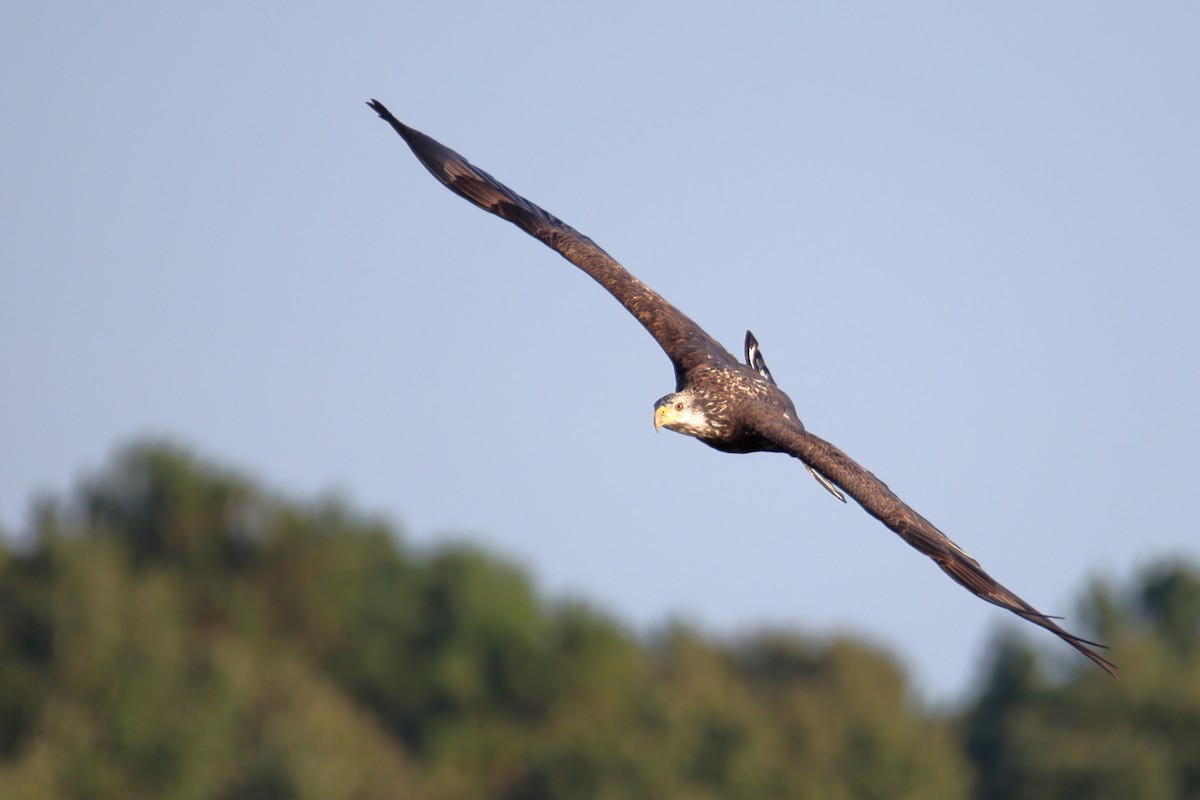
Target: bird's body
{"points": [[724, 397], [730, 406]]}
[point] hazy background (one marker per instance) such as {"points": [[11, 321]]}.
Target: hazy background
{"points": [[966, 239]]}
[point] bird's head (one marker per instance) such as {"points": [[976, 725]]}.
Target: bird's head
{"points": [[681, 412]]}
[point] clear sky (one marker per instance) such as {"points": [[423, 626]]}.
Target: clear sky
{"points": [[966, 237]]}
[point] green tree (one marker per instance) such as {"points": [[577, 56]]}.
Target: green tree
{"points": [[1085, 736], [171, 630]]}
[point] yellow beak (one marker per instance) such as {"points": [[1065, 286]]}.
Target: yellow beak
{"points": [[661, 416]]}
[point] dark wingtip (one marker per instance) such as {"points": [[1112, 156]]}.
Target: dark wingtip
{"points": [[380, 109], [751, 344], [1079, 643], [406, 132], [1108, 666]]}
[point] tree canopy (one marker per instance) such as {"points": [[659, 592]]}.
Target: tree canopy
{"points": [[171, 630]]}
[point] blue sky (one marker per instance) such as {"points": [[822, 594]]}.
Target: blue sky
{"points": [[965, 236]]}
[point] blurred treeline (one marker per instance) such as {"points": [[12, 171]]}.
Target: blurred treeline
{"points": [[172, 631]]}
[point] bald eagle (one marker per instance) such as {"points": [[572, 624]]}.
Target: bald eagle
{"points": [[730, 406]]}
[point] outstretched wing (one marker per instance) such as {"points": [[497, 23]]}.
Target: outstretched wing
{"points": [[684, 342], [879, 501], [754, 358]]}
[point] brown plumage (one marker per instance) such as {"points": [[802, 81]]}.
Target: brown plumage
{"points": [[733, 407]]}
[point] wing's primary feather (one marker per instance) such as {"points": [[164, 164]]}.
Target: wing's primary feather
{"points": [[880, 502], [685, 343]]}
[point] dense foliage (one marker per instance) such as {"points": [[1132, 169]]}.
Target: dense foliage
{"points": [[172, 631]]}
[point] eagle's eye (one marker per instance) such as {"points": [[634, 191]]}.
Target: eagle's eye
{"points": [[679, 406]]}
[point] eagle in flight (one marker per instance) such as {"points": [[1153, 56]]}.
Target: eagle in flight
{"points": [[730, 406]]}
